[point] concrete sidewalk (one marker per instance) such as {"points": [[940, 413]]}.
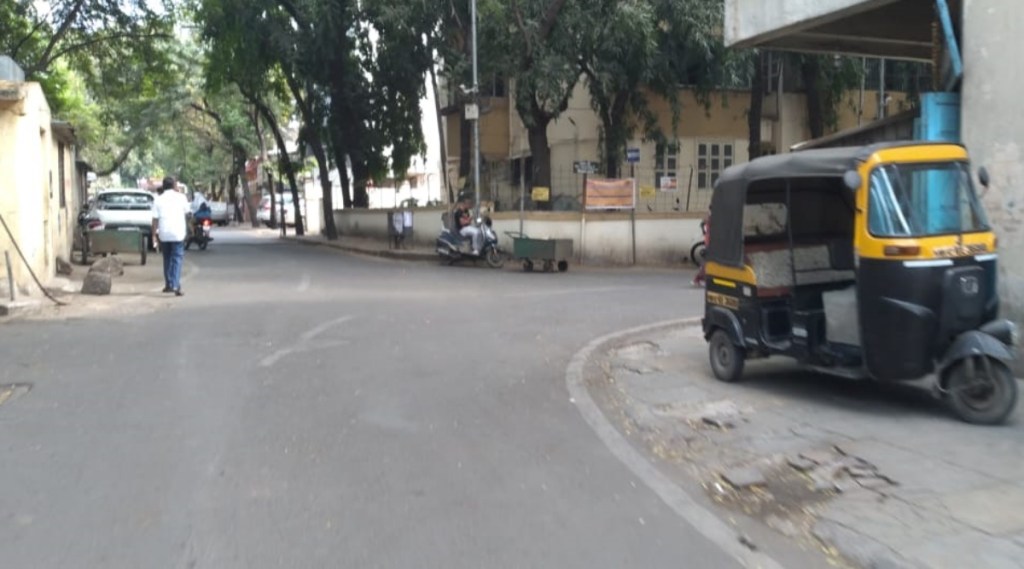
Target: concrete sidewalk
{"points": [[137, 291], [877, 476], [368, 246]]}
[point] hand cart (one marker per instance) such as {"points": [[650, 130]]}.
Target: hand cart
{"points": [[551, 252]]}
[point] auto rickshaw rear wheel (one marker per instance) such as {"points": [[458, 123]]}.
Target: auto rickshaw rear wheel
{"points": [[981, 390], [727, 359]]}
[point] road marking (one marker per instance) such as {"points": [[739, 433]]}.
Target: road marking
{"points": [[572, 291], [303, 344], [304, 283], [702, 520], [273, 358], [320, 329]]}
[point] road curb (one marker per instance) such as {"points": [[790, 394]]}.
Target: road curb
{"points": [[700, 518], [397, 255], [25, 307]]}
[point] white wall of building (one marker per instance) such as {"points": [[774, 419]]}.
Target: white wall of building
{"points": [[993, 129]]}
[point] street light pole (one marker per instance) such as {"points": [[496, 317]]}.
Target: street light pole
{"points": [[476, 121]]}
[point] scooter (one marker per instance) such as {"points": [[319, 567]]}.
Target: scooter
{"points": [[453, 247]]}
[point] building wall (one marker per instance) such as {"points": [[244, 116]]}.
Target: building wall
{"points": [[992, 124], [29, 187], [599, 238]]}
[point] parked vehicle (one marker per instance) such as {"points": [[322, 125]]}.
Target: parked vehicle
{"points": [[122, 209], [874, 262], [454, 248], [220, 214], [263, 215]]}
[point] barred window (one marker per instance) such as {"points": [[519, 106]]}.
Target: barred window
{"points": [[712, 159], [666, 162]]}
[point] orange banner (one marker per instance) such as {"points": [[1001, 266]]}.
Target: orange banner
{"points": [[610, 194]]}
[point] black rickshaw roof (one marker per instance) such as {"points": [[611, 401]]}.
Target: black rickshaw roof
{"points": [[818, 162], [730, 191]]}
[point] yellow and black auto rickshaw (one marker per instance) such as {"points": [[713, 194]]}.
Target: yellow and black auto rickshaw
{"points": [[872, 262]]}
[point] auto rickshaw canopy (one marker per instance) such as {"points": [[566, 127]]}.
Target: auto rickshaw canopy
{"points": [[821, 172]]}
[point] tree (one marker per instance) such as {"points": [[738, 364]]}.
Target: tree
{"points": [[252, 46], [117, 56], [539, 40]]}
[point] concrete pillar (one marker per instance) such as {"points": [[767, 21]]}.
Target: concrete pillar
{"points": [[992, 126]]}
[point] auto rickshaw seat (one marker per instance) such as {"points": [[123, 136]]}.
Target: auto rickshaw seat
{"points": [[815, 264]]}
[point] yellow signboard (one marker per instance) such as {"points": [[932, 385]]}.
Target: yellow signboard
{"points": [[648, 192], [541, 194]]}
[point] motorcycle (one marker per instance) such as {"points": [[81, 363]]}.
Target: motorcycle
{"points": [[453, 247], [200, 233]]}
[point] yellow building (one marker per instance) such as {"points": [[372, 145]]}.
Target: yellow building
{"points": [[673, 178], [40, 192]]}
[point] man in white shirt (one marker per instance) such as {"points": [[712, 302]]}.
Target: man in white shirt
{"points": [[170, 227]]}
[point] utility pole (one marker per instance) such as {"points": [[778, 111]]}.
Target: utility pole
{"points": [[476, 121]]}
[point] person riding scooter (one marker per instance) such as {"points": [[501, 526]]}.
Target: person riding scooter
{"points": [[463, 220]]}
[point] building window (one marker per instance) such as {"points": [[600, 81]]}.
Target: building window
{"points": [[522, 171], [61, 185], [712, 159], [666, 162], [495, 87]]}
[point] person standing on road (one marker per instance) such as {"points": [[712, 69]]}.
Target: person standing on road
{"points": [[170, 228]]}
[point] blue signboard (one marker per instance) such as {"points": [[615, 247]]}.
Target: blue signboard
{"points": [[632, 155]]}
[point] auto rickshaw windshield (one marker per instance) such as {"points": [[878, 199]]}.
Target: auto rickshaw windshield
{"points": [[919, 200]]}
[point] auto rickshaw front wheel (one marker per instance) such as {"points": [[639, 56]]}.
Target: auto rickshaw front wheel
{"points": [[981, 390], [727, 358]]}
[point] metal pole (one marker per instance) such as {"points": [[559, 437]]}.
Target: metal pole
{"points": [[522, 193], [476, 123], [632, 213], [632, 221], [881, 89], [10, 276]]}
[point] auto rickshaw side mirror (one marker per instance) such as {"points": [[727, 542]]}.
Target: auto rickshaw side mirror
{"points": [[983, 177], [852, 180]]}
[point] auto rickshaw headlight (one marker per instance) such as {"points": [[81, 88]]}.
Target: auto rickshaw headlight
{"points": [[1003, 330]]}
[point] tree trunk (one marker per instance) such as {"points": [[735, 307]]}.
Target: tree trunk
{"points": [[317, 145], [240, 158], [613, 119], [263, 165], [441, 136], [233, 199], [339, 149], [286, 163], [360, 177], [465, 149], [810, 68], [330, 229], [541, 154], [756, 106]]}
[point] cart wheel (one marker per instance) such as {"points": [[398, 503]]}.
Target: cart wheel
{"points": [[981, 390], [697, 253], [727, 358], [563, 266], [549, 266], [528, 265]]}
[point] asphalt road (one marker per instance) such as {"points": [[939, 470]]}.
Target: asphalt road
{"points": [[300, 407]]}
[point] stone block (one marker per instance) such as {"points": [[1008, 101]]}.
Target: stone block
{"points": [[97, 283], [111, 265]]}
